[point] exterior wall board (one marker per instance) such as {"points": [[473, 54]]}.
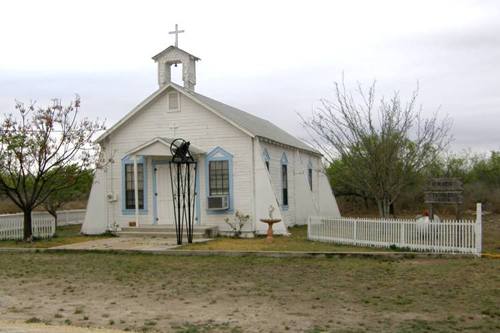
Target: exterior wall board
{"points": [[204, 130]]}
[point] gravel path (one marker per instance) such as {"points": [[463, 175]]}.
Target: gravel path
{"points": [[127, 243]]}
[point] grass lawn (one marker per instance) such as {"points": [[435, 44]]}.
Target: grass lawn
{"points": [[69, 234], [297, 241], [154, 293]]}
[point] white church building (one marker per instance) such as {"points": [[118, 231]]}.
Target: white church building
{"points": [[245, 163]]}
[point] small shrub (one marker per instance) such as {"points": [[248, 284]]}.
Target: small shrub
{"points": [[394, 247], [33, 320], [239, 222]]}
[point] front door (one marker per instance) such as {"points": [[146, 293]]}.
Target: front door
{"points": [[164, 205]]}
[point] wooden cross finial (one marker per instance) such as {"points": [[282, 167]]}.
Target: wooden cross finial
{"points": [[176, 32]]}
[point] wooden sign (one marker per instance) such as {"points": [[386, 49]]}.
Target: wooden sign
{"points": [[444, 191], [444, 198]]}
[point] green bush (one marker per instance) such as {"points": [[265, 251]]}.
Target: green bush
{"points": [[480, 175]]}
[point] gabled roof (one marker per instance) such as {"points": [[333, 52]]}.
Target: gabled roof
{"points": [[246, 122], [171, 48], [255, 125]]}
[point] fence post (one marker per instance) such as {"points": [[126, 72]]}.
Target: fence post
{"points": [[355, 231], [479, 229], [402, 234]]}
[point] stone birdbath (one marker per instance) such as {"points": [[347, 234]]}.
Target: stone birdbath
{"points": [[270, 221]]}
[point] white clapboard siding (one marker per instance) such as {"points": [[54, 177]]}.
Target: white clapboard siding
{"points": [[11, 228], [459, 236]]}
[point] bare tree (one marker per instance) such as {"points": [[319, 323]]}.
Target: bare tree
{"points": [[37, 148], [385, 144]]}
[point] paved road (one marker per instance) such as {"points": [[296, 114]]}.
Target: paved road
{"points": [[16, 327]]}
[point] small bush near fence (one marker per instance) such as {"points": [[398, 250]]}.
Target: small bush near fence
{"points": [[461, 236]]}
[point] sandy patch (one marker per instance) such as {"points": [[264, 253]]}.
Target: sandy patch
{"points": [[18, 327], [127, 243]]}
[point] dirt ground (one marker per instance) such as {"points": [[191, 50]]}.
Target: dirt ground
{"points": [[156, 293], [20, 327]]}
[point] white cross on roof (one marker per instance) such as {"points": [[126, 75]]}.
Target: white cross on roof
{"points": [[176, 32]]}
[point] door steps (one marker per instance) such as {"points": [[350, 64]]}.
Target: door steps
{"points": [[161, 231]]}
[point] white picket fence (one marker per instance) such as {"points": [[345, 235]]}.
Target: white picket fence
{"points": [[459, 236], [11, 228], [11, 225]]}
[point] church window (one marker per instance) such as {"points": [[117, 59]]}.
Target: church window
{"points": [[284, 181], [173, 102], [266, 157], [128, 185], [310, 175], [218, 177], [219, 171]]}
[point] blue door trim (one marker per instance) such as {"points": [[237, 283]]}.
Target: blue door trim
{"points": [[155, 188]]}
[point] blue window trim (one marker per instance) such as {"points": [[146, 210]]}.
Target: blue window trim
{"points": [[284, 161], [140, 160], [219, 154], [266, 158], [155, 198], [265, 155]]}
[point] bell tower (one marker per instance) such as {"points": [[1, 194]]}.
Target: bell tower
{"points": [[173, 55]]}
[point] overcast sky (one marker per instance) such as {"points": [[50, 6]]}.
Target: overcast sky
{"points": [[270, 58]]}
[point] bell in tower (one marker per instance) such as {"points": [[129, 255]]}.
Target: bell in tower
{"points": [[173, 55]]}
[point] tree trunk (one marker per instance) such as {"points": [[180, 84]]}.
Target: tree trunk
{"points": [[53, 212], [28, 232], [380, 208], [385, 208]]}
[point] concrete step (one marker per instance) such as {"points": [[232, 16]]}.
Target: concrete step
{"points": [[167, 231], [156, 234]]}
